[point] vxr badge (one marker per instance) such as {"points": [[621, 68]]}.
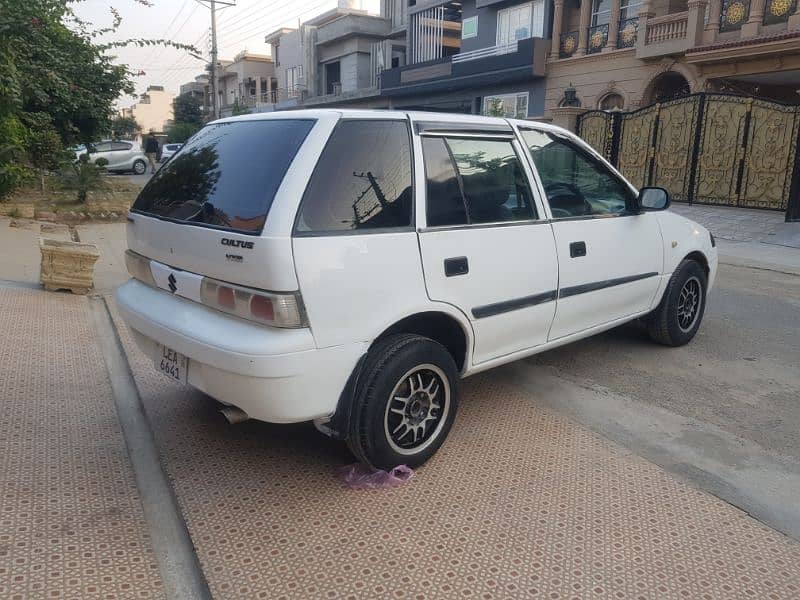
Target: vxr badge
{"points": [[173, 283]]}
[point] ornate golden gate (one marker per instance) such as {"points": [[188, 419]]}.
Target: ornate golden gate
{"points": [[706, 148]]}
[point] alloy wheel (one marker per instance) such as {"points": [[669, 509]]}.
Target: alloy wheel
{"points": [[689, 303], [417, 409]]}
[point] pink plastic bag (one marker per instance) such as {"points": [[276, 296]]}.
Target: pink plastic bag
{"points": [[362, 477]]}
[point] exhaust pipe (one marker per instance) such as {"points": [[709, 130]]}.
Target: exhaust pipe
{"points": [[234, 415]]}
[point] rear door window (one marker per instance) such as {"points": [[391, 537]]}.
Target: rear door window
{"points": [[227, 175], [475, 181], [362, 180]]}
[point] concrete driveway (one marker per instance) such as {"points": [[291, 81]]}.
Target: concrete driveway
{"points": [[583, 472]]}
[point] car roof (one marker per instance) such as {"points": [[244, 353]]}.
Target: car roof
{"points": [[414, 115]]}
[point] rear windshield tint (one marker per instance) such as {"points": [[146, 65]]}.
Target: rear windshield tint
{"points": [[225, 176]]}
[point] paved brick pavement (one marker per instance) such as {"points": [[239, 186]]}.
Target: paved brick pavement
{"points": [[737, 224], [71, 525], [520, 502]]}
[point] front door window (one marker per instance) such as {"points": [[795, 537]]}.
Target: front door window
{"points": [[576, 183]]}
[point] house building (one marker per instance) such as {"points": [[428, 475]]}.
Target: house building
{"points": [[471, 56], [330, 59], [153, 111], [247, 81], [627, 54], [198, 89]]}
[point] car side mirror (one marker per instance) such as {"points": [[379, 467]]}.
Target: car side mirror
{"points": [[653, 198]]}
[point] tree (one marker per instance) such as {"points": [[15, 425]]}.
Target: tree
{"points": [[187, 109], [13, 172], [238, 109], [124, 127], [51, 63], [178, 133], [43, 145], [495, 108]]}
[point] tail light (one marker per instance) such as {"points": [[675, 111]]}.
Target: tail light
{"points": [[275, 309], [139, 267], [278, 310]]}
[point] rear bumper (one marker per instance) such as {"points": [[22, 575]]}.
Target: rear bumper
{"points": [[274, 375]]}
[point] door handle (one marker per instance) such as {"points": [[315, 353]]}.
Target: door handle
{"points": [[577, 249], [458, 265]]}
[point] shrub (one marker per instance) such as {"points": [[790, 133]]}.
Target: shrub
{"points": [[13, 171], [83, 177]]}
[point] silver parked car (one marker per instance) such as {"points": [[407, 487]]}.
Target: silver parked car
{"points": [[121, 155], [168, 151]]}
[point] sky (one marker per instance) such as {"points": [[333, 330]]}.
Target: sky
{"points": [[239, 27]]}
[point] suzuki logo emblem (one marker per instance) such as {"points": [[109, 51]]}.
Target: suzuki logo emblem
{"points": [[173, 284]]}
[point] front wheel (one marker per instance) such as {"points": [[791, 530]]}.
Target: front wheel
{"points": [[139, 167], [404, 402], [677, 318]]}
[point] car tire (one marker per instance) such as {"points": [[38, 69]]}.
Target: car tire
{"points": [[404, 403], [139, 167], [677, 318]]}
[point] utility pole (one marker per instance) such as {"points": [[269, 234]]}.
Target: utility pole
{"points": [[214, 81], [212, 4]]}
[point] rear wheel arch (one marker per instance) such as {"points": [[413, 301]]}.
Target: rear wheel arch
{"points": [[439, 326]]}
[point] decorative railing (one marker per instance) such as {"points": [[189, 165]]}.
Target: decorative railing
{"points": [[734, 14], [270, 97], [666, 28], [597, 38], [568, 44], [484, 52], [778, 11], [628, 32]]}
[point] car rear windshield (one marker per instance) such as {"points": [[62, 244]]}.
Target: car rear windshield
{"points": [[226, 176]]}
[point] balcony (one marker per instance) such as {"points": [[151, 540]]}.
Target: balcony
{"points": [[486, 66], [670, 35]]}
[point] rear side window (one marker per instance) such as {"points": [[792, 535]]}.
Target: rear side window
{"points": [[445, 201], [227, 175], [362, 180], [474, 181]]}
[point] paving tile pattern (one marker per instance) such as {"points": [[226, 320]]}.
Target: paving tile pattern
{"points": [[519, 503], [731, 223], [71, 524]]}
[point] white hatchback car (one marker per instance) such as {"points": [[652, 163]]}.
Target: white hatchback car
{"points": [[168, 151], [349, 267], [121, 155]]}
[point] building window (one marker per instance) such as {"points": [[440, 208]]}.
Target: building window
{"points": [[294, 79], [506, 105], [333, 78], [469, 28], [520, 22], [629, 9], [612, 101], [601, 12]]}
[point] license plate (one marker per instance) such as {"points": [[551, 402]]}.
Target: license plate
{"points": [[172, 364]]}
